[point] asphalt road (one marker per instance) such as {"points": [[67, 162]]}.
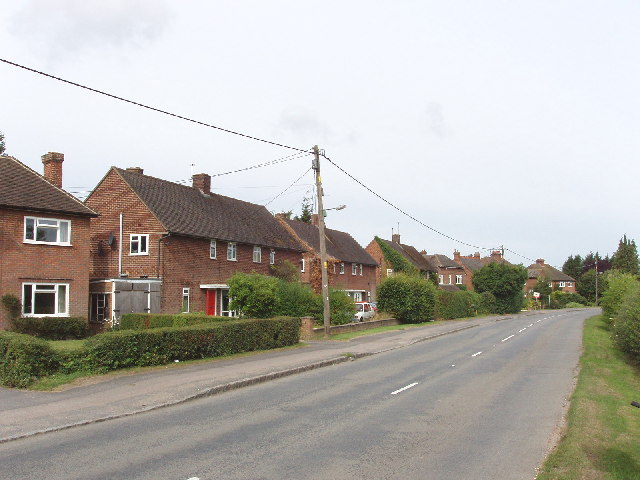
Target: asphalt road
{"points": [[483, 403]]}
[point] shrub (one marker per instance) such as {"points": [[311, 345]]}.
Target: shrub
{"points": [[131, 348], [457, 304], [617, 286], [52, 328], [141, 321], [295, 299], [409, 299], [560, 299], [253, 295], [505, 283], [24, 358], [573, 305], [487, 302], [627, 323], [341, 307], [12, 306]]}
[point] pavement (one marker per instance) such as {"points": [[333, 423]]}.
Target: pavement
{"points": [[25, 413]]}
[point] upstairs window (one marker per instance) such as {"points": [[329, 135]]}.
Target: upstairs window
{"points": [[257, 254], [232, 251], [272, 257], [47, 230], [360, 269], [213, 249], [342, 269], [441, 279], [561, 284], [354, 269], [139, 244], [302, 265], [458, 279]]}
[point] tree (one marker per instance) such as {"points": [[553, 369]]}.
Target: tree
{"points": [[544, 288], [305, 214], [586, 286], [505, 282], [2, 146], [625, 259], [573, 266]]}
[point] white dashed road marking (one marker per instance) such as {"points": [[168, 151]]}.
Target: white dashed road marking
{"points": [[476, 354], [505, 339], [404, 388]]}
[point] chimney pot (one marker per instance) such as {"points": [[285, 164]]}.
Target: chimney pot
{"points": [[53, 167], [456, 255], [135, 170], [202, 181], [540, 261]]}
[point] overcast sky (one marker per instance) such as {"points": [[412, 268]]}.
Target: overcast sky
{"points": [[496, 123]]}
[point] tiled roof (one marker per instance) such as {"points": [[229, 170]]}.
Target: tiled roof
{"points": [[472, 264], [187, 211], [23, 188], [442, 261], [411, 254], [340, 245], [537, 270]]}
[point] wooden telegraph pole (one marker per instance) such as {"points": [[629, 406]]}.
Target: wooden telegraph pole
{"points": [[323, 243]]}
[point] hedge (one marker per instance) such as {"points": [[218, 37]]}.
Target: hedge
{"points": [[24, 358], [457, 304], [52, 328], [409, 299], [141, 321], [135, 348], [627, 323]]}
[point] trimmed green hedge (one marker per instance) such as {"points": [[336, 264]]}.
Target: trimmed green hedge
{"points": [[410, 299], [458, 304], [627, 323], [141, 321], [24, 358], [137, 348], [52, 328]]}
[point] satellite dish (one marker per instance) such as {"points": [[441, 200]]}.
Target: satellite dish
{"points": [[111, 238]]}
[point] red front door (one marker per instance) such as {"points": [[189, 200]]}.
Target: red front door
{"points": [[211, 302]]}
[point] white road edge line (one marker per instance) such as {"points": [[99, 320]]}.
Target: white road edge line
{"points": [[476, 354], [505, 339], [404, 388]]}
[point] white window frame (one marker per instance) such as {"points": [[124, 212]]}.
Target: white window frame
{"points": [[389, 272], [302, 265], [213, 249], [360, 269], [569, 284], [50, 288], [272, 257], [232, 252], [354, 269], [47, 223], [136, 238], [257, 254], [186, 295], [561, 284], [458, 279], [342, 268], [441, 279]]}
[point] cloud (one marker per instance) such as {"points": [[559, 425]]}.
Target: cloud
{"points": [[67, 27], [435, 120], [305, 126]]}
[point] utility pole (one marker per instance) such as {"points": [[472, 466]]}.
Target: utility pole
{"points": [[323, 244], [596, 280]]}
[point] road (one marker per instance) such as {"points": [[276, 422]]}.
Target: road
{"points": [[483, 403]]}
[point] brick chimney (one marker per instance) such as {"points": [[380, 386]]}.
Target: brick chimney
{"points": [[202, 181], [456, 255], [135, 170], [497, 254], [476, 255], [540, 261], [395, 238], [53, 167]]}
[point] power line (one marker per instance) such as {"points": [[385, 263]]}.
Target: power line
{"points": [[265, 164], [181, 117], [281, 193]]}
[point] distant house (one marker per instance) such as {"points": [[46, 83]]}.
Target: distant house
{"points": [[412, 256], [158, 246], [473, 263], [451, 276], [44, 241], [557, 279], [349, 267]]}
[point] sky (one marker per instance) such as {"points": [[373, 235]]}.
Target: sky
{"points": [[473, 125]]}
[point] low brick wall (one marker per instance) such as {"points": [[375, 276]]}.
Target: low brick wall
{"points": [[354, 327]]}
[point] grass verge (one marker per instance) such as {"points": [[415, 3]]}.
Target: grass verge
{"points": [[602, 440]]}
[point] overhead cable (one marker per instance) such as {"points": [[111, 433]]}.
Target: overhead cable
{"points": [[282, 192]]}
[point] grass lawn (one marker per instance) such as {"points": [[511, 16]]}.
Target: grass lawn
{"points": [[602, 440]]}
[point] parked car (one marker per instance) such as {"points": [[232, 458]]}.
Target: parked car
{"points": [[374, 305], [364, 311]]}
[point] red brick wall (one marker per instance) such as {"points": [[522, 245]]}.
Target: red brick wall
{"points": [[375, 251], [25, 262]]}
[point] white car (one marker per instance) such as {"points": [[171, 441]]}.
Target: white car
{"points": [[364, 311]]}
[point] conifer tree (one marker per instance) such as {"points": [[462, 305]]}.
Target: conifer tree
{"points": [[625, 259]]}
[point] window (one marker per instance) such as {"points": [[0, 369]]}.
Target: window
{"points": [[449, 279], [561, 284], [272, 257], [302, 265], [232, 253], [257, 254], [213, 249], [458, 279], [45, 299], [389, 272], [139, 244], [569, 284], [185, 300], [47, 230], [360, 269], [441, 279], [342, 269], [354, 269]]}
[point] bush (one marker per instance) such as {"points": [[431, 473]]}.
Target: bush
{"points": [[342, 310], [24, 358], [627, 323], [456, 304], [133, 348], [487, 302], [560, 299], [573, 305], [295, 299], [141, 321], [409, 299], [52, 328], [253, 295], [617, 286], [505, 283], [12, 306]]}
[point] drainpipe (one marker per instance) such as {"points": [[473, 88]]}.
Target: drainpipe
{"points": [[120, 249], [165, 235]]}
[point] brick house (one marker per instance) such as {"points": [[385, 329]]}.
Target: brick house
{"points": [[349, 266], [472, 263], [450, 274], [44, 241], [409, 253], [158, 246], [559, 280]]}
